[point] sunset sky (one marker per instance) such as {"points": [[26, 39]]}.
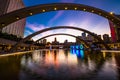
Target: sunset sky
{"points": [[85, 20]]}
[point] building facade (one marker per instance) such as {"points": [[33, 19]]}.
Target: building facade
{"points": [[3, 6], [115, 31], [16, 28], [118, 30], [55, 42], [83, 35], [106, 38]]}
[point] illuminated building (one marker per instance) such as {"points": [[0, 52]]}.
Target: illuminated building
{"points": [[84, 35], [55, 41], [16, 28], [115, 32], [44, 41], [90, 38], [99, 36], [118, 34], [66, 41], [118, 30], [106, 38]]}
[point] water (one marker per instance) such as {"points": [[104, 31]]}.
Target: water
{"points": [[61, 65]]}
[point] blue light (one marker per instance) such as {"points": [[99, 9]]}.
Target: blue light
{"points": [[82, 53], [81, 46], [77, 47], [72, 47], [74, 51], [77, 52]]}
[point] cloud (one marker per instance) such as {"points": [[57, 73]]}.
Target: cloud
{"points": [[27, 32], [84, 24], [59, 13], [35, 27], [31, 28]]}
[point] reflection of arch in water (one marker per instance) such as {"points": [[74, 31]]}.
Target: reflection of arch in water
{"points": [[59, 27], [29, 11], [90, 74], [81, 40]]}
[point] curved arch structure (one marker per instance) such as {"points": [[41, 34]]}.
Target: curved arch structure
{"points": [[60, 27], [29, 11], [81, 40]]}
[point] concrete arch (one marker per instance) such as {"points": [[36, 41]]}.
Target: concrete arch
{"points": [[60, 27], [29, 11], [81, 40]]}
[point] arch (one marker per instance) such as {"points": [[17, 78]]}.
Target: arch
{"points": [[29, 11], [60, 27], [81, 40]]}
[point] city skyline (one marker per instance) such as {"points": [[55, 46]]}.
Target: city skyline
{"points": [[86, 20]]}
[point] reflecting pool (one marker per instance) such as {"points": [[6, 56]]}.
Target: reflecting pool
{"points": [[59, 64]]}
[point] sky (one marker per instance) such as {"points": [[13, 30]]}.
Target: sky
{"points": [[81, 19]]}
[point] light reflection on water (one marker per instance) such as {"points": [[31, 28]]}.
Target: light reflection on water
{"points": [[61, 65]]}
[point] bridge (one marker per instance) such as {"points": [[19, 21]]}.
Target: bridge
{"points": [[60, 27], [14, 16], [81, 40], [33, 10]]}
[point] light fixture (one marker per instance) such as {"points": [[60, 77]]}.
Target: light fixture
{"points": [[84, 9], [43, 10], [17, 18], [111, 13], [66, 8], [2, 24], [75, 8], [55, 8], [31, 13], [92, 10]]}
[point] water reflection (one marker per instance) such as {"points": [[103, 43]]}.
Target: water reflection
{"points": [[79, 53], [73, 64], [70, 65]]}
